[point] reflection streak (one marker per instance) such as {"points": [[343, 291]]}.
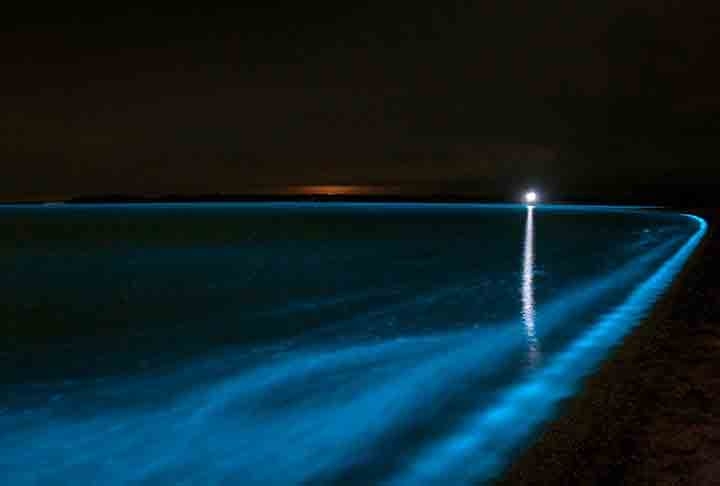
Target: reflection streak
{"points": [[527, 289]]}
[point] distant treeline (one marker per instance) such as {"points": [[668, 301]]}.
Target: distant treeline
{"points": [[682, 196], [119, 198], [672, 198]]}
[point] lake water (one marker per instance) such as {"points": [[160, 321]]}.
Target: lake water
{"points": [[286, 343]]}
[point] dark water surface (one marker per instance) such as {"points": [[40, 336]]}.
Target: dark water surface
{"points": [[285, 343]]}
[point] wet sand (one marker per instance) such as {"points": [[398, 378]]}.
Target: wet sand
{"points": [[651, 414]]}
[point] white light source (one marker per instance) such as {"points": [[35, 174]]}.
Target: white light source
{"points": [[531, 197]]}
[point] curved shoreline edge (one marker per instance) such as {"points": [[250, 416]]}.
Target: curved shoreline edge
{"points": [[649, 413]]}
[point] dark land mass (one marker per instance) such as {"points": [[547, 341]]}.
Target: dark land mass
{"points": [[651, 413], [670, 197]]}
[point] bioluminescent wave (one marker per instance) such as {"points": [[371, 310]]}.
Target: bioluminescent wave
{"points": [[526, 404], [372, 345]]}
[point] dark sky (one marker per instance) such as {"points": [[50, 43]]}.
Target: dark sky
{"points": [[581, 98]]}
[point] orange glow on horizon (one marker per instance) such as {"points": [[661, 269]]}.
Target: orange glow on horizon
{"points": [[339, 190]]}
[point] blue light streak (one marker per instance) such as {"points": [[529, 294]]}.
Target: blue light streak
{"points": [[523, 407]]}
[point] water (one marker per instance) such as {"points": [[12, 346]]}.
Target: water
{"points": [[308, 343]]}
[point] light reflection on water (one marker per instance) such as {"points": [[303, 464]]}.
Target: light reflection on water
{"points": [[527, 288]]}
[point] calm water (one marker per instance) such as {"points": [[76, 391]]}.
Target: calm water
{"points": [[303, 343]]}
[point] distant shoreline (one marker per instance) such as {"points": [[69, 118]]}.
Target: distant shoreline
{"points": [[334, 198], [281, 197]]}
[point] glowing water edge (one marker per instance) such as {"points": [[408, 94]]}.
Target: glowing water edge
{"points": [[308, 343]]}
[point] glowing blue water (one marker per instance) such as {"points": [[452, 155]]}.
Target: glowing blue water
{"points": [[286, 343]]}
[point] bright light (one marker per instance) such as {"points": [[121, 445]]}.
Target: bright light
{"points": [[531, 197]]}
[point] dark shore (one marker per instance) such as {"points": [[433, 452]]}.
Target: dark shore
{"points": [[651, 414]]}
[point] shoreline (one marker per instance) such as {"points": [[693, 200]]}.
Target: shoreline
{"points": [[339, 194], [650, 414]]}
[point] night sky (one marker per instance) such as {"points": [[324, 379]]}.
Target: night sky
{"points": [[596, 100]]}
